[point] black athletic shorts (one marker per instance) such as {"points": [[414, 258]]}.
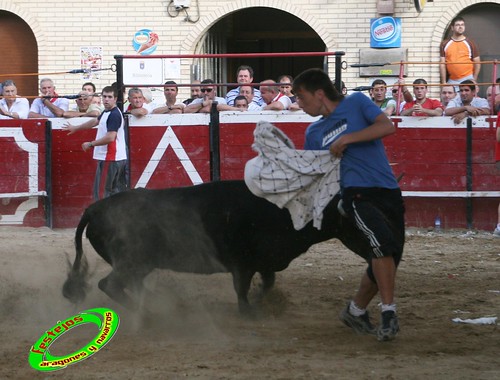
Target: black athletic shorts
{"points": [[379, 214]]}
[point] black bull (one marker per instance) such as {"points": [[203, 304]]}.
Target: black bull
{"points": [[209, 228]]}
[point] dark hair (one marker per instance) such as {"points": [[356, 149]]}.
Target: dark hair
{"points": [[311, 80], [458, 18], [469, 83], [240, 97], [170, 82], [420, 81], [207, 81], [89, 84], [376, 82], [245, 67], [112, 89], [248, 85], [289, 77]]}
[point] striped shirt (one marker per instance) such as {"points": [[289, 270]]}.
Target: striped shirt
{"points": [[111, 121]]}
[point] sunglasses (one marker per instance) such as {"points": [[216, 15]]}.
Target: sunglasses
{"points": [[394, 91], [206, 89]]}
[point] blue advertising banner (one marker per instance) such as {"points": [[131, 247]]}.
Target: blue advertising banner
{"points": [[385, 32]]}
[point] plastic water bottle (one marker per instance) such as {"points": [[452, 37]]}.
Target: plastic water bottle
{"points": [[437, 224]]}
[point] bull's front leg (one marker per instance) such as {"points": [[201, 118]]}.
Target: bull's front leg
{"points": [[241, 281], [268, 279]]}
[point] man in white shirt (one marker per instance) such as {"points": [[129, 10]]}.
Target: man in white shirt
{"points": [[49, 104], [137, 104], [248, 93], [12, 106], [275, 100], [171, 104], [209, 97], [468, 104]]}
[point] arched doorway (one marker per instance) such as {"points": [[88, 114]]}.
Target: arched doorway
{"points": [[481, 25], [259, 30], [19, 53]]}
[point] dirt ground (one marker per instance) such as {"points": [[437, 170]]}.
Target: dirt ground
{"points": [[296, 334]]}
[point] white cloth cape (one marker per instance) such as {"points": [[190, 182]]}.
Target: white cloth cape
{"points": [[303, 181]]}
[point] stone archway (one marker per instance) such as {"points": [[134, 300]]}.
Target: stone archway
{"points": [[20, 53], [481, 25], [27, 60], [217, 35]]}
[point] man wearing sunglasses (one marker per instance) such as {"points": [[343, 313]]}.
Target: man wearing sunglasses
{"points": [[208, 97]]}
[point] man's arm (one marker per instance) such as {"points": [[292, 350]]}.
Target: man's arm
{"points": [[71, 128], [477, 66], [274, 106], [176, 108], [380, 128], [138, 112], [93, 111], [442, 69], [58, 112], [432, 112], [109, 137], [196, 107]]}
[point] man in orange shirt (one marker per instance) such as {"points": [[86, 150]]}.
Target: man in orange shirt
{"points": [[459, 55]]}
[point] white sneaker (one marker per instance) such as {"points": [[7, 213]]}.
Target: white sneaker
{"points": [[497, 232]]}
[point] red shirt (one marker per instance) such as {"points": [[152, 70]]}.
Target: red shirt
{"points": [[430, 104]]}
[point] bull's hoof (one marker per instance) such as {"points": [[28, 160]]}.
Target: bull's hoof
{"points": [[247, 311]]}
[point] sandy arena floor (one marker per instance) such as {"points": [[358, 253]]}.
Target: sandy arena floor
{"points": [[296, 335]]}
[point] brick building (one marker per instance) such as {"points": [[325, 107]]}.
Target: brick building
{"points": [[46, 37]]}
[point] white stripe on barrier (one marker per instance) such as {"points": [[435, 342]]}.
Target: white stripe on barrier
{"points": [[169, 138]]}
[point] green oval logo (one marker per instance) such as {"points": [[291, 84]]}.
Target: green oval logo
{"points": [[40, 357]]}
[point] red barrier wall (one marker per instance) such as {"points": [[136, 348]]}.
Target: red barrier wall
{"points": [[174, 150], [22, 172]]}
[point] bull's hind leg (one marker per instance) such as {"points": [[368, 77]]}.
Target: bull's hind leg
{"points": [[241, 282], [114, 286]]}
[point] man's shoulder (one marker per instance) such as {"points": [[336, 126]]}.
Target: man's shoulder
{"points": [[479, 102], [408, 105], [233, 91], [95, 107], [434, 103], [454, 103], [23, 101], [196, 101]]}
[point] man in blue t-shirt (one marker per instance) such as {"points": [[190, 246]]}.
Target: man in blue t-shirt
{"points": [[352, 128]]}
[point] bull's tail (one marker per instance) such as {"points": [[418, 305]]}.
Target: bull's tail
{"points": [[75, 287]]}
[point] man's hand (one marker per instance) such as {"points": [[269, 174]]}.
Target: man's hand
{"points": [[86, 146], [458, 117], [70, 128], [338, 146]]}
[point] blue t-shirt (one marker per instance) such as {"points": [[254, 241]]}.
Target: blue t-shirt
{"points": [[363, 164]]}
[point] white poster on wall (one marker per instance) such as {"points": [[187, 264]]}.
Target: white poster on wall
{"points": [[142, 71], [91, 61], [172, 68]]}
